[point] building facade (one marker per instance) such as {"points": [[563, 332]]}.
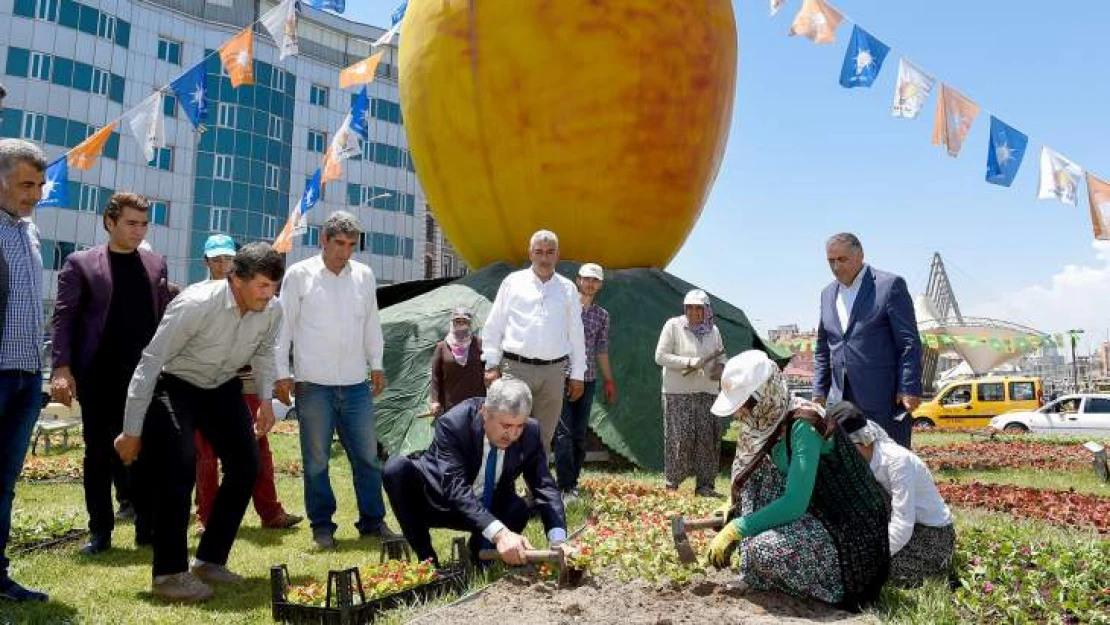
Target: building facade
{"points": [[71, 66]]}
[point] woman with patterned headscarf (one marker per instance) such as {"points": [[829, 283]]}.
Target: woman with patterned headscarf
{"points": [[810, 517], [456, 365], [922, 538], [691, 353]]}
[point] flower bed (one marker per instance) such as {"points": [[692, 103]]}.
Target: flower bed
{"points": [[1013, 454], [378, 580], [52, 469], [1009, 576], [629, 531], [30, 533], [1066, 508]]}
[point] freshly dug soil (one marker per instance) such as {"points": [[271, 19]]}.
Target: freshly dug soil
{"points": [[523, 600]]}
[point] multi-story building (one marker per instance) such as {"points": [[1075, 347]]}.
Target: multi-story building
{"points": [[72, 66], [440, 259]]}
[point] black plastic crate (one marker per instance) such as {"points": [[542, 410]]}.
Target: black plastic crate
{"points": [[341, 606]]}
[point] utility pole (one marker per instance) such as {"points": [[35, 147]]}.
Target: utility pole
{"points": [[1074, 363]]}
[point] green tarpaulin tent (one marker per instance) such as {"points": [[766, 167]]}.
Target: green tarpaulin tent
{"points": [[639, 301]]}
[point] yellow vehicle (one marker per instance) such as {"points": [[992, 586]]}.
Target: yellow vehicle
{"points": [[972, 403]]}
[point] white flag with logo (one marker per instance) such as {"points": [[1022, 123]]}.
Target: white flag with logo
{"points": [[148, 125], [912, 90], [343, 146], [281, 23], [1059, 178]]}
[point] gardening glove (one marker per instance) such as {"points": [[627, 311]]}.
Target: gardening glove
{"points": [[720, 549]]}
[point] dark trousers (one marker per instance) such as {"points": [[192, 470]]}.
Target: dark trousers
{"points": [[20, 393], [102, 404], [900, 431], [167, 465], [570, 438], [404, 484]]}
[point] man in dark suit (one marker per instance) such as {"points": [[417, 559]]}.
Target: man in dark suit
{"points": [[868, 348], [465, 479], [110, 300]]}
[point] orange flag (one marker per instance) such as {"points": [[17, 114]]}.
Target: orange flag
{"points": [[360, 73], [237, 55], [816, 20], [1098, 192], [84, 154], [955, 112]]}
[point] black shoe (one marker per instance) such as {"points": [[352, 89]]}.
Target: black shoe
{"points": [[381, 531], [98, 543], [11, 591], [126, 511]]}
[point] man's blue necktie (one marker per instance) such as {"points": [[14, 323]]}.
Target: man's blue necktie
{"points": [[491, 478]]}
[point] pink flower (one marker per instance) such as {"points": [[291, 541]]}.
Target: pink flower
{"points": [[988, 588]]}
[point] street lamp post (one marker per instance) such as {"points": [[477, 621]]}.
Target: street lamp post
{"points": [[1074, 363]]}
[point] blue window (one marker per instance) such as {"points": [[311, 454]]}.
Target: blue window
{"points": [[76, 132], [69, 13], [82, 76], [18, 60], [115, 92], [11, 123], [318, 95], [169, 105], [37, 9], [169, 51], [25, 8], [111, 147], [123, 33], [311, 237], [163, 159], [89, 19], [159, 212], [317, 141], [40, 66], [56, 130], [63, 72]]}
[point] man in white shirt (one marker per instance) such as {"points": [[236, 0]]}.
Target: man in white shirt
{"points": [[465, 479], [534, 327], [331, 316]]}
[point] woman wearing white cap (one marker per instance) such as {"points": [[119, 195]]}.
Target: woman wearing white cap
{"points": [[691, 353], [922, 538], [811, 518]]}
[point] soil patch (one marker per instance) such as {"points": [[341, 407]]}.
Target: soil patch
{"points": [[521, 599]]}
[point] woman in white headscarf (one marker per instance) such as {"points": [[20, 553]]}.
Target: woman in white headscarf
{"points": [[922, 538], [456, 365], [810, 517], [691, 353]]}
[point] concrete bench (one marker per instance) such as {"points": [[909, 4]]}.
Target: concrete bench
{"points": [[55, 418]]}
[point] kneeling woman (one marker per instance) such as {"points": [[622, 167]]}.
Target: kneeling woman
{"points": [[922, 538], [811, 519]]}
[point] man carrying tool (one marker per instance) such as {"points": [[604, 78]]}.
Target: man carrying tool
{"points": [[464, 480]]}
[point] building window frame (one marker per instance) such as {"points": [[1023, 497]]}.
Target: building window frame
{"points": [[106, 26], [169, 50], [159, 212], [47, 10], [275, 127], [225, 115], [101, 81], [273, 176], [317, 141], [89, 199], [270, 227], [34, 126], [219, 219], [39, 66], [223, 167], [318, 95]]}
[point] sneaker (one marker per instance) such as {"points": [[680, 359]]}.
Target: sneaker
{"points": [[126, 511], [324, 539], [180, 587], [282, 521], [11, 591], [214, 573], [570, 496], [98, 543], [382, 531]]}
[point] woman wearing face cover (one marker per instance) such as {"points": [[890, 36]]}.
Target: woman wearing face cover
{"points": [[456, 365], [922, 538], [809, 516], [691, 353]]}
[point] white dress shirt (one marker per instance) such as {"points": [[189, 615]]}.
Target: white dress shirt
{"points": [[556, 535], [846, 299], [204, 340], [333, 321], [536, 319], [914, 496]]}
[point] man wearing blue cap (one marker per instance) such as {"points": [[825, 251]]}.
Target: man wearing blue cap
{"points": [[219, 254]]}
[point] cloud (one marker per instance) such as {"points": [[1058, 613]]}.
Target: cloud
{"points": [[1076, 297]]}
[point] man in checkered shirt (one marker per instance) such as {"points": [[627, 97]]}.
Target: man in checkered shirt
{"points": [[22, 174]]}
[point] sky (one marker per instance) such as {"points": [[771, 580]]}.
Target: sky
{"points": [[807, 158]]}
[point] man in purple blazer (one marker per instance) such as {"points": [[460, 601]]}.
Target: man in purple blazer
{"points": [[868, 349], [110, 300]]}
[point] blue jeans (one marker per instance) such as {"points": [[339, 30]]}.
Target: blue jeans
{"points": [[20, 394], [323, 410], [570, 438]]}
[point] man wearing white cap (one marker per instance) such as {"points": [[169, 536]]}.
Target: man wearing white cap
{"points": [[534, 327], [570, 436]]}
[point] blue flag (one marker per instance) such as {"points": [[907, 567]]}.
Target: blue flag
{"points": [[191, 91], [359, 110], [862, 60], [399, 13], [1004, 153], [311, 193], [55, 191], [332, 5]]}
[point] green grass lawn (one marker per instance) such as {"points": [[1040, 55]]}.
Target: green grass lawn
{"points": [[115, 587]]}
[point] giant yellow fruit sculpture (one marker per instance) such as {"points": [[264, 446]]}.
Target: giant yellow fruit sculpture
{"points": [[602, 120]]}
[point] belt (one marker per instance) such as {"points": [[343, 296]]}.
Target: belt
{"points": [[532, 361]]}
